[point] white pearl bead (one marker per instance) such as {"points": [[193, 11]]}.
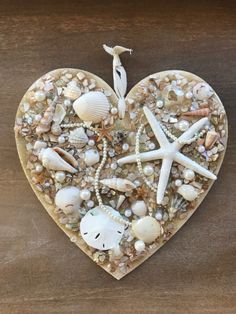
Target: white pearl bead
{"points": [[61, 139], [137, 183], [178, 182], [39, 168], [159, 104], [91, 142], [189, 174], [114, 110], [139, 246], [151, 145], [60, 176], [125, 147], [139, 208], [39, 95], [148, 170], [183, 125], [201, 149], [85, 194], [128, 213]]}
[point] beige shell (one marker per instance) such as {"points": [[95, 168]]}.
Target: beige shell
{"points": [[78, 137], [211, 138], [122, 185], [173, 95], [72, 91], [92, 106], [58, 159]]}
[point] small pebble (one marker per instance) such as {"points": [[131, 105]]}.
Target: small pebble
{"points": [[125, 147], [178, 182], [39, 168], [151, 146], [114, 166], [158, 215], [91, 142], [159, 104], [90, 204], [128, 213], [201, 149], [139, 246]]}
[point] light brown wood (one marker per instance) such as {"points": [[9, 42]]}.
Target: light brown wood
{"points": [[41, 271]]}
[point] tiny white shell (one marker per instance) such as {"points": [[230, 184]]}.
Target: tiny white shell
{"points": [[92, 106], [146, 229], [78, 137], [122, 185], [72, 91], [188, 192], [139, 208], [91, 157], [68, 199], [58, 159], [202, 91], [59, 114], [99, 231]]}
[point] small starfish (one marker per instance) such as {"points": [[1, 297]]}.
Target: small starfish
{"points": [[169, 152], [104, 132]]}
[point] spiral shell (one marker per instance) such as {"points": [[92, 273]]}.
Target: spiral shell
{"points": [[200, 112], [122, 185], [78, 137], [58, 159], [72, 91], [92, 106]]}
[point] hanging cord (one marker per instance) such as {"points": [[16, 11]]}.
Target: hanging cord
{"points": [[119, 76]]}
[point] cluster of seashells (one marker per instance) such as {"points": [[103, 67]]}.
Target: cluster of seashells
{"points": [[62, 162]]}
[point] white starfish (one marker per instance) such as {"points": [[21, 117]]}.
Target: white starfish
{"points": [[169, 152]]}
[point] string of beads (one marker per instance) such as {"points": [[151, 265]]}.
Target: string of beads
{"points": [[98, 172]]}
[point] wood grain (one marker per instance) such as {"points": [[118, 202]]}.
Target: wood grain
{"points": [[40, 270]]}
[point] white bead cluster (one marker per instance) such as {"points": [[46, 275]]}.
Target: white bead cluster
{"points": [[98, 171]]}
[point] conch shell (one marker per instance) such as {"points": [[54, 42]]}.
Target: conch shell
{"points": [[211, 138], [122, 185], [200, 112], [92, 106], [45, 123], [57, 158]]}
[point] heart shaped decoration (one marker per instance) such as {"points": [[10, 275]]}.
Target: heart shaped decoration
{"points": [[120, 176]]}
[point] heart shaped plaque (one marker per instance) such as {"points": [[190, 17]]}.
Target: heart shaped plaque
{"points": [[120, 176]]}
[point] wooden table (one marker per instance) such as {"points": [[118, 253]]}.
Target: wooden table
{"points": [[41, 271]]}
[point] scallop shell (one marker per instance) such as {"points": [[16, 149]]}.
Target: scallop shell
{"points": [[100, 231], [122, 185], [92, 106], [72, 91], [78, 137], [68, 199], [58, 159]]}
